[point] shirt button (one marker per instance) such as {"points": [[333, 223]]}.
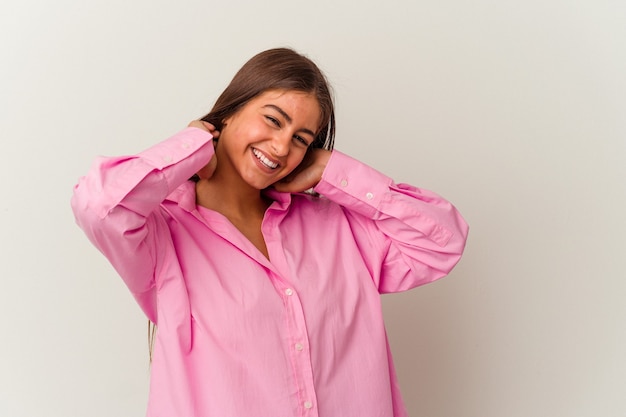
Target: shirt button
{"points": [[299, 346], [167, 159], [289, 291], [369, 196], [344, 183], [308, 404], [186, 146]]}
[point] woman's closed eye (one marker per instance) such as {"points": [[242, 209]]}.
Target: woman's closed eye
{"points": [[301, 140], [273, 120], [277, 123]]}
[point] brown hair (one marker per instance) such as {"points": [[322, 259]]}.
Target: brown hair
{"points": [[278, 69]]}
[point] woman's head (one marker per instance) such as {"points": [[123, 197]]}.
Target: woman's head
{"points": [[278, 69]]}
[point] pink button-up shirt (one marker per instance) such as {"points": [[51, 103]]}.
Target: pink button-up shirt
{"points": [[239, 335]]}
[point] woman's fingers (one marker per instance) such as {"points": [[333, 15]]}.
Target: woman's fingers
{"points": [[207, 171], [206, 126]]}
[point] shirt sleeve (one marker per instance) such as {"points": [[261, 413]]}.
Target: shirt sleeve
{"points": [[116, 205], [422, 236]]}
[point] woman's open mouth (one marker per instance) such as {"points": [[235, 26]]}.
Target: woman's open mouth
{"points": [[264, 160]]}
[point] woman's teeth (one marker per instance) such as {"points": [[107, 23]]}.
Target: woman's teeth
{"points": [[264, 160]]}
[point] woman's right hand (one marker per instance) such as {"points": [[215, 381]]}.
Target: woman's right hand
{"points": [[207, 171]]}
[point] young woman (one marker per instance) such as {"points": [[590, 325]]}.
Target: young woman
{"points": [[266, 298]]}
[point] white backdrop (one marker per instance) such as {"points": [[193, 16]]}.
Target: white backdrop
{"points": [[513, 110]]}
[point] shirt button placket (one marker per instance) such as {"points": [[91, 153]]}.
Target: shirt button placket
{"points": [[303, 369]]}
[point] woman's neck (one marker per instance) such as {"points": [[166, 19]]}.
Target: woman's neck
{"points": [[244, 208], [230, 198]]}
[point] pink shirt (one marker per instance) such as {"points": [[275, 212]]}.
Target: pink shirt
{"points": [[240, 335]]}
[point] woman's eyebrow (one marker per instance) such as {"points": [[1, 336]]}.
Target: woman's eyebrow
{"points": [[288, 118], [281, 111]]}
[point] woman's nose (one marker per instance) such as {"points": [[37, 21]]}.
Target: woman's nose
{"points": [[280, 145]]}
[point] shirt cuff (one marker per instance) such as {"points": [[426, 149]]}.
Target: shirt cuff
{"points": [[353, 184]]}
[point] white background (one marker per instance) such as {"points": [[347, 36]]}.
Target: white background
{"points": [[513, 110]]}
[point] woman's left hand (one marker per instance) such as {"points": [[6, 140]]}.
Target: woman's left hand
{"points": [[307, 174], [207, 171]]}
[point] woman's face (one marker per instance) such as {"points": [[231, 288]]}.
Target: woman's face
{"points": [[268, 137]]}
